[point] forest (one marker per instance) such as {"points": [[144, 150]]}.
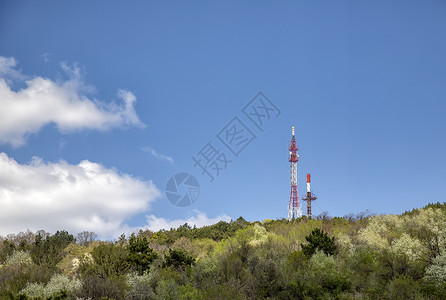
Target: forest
{"points": [[352, 257]]}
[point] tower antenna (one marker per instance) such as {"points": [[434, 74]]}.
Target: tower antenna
{"points": [[310, 196], [294, 207]]}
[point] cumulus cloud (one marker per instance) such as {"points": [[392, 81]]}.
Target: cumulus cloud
{"points": [[82, 197], [200, 219], [64, 103], [157, 155]]}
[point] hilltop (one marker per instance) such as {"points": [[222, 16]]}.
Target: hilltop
{"points": [[353, 257]]}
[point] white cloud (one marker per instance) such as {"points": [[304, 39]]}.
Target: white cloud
{"points": [[7, 69], [46, 57], [200, 219], [157, 155], [64, 103], [56, 196]]}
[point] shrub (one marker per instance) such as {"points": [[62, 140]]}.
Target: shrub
{"points": [[139, 287], [19, 258], [58, 284], [403, 287]]}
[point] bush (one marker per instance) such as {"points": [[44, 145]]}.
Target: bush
{"points": [[403, 287], [18, 271], [327, 274], [95, 287], [58, 285], [19, 258], [167, 290], [139, 287]]}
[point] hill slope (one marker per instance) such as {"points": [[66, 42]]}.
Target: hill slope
{"points": [[362, 257]]}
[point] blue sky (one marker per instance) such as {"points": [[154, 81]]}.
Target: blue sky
{"points": [[362, 82]]}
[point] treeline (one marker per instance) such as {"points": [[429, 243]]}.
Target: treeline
{"points": [[354, 257]]}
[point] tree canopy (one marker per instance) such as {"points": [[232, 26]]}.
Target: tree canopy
{"points": [[354, 257]]}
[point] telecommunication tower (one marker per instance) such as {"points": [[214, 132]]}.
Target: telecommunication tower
{"points": [[294, 207], [310, 196]]}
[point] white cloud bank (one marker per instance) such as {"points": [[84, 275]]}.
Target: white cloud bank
{"points": [[200, 219], [56, 196], [65, 104]]}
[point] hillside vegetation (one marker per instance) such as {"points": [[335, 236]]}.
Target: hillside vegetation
{"points": [[354, 257]]}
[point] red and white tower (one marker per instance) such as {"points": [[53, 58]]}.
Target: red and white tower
{"points": [[310, 196], [294, 208]]}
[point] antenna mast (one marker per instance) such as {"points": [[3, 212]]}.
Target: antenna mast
{"points": [[294, 207], [310, 197]]}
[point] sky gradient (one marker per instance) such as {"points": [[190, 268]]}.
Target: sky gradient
{"points": [[102, 102]]}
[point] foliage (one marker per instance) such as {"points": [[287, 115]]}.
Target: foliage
{"points": [[319, 240], [107, 260], [415, 211], [436, 273], [19, 258], [326, 275], [73, 253], [49, 252], [18, 271], [96, 287], [58, 285], [354, 257], [403, 287], [178, 258], [167, 290], [6, 249], [139, 286], [140, 254], [216, 232]]}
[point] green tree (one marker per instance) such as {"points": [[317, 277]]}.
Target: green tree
{"points": [[109, 260], [140, 254], [18, 271], [6, 249], [178, 258], [319, 240], [326, 275], [50, 251]]}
